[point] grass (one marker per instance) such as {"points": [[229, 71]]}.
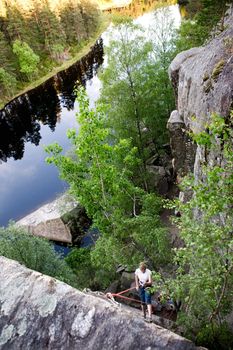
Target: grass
{"points": [[105, 21]]}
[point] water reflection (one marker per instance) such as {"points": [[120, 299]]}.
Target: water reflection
{"points": [[83, 72], [20, 120], [31, 121], [40, 118]]}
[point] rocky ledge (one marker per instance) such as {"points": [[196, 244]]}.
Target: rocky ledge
{"points": [[62, 220], [46, 221], [39, 312]]}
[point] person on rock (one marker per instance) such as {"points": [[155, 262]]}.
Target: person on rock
{"points": [[143, 280]]}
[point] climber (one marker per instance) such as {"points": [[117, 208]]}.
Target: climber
{"points": [[143, 281]]}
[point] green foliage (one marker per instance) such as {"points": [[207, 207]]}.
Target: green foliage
{"points": [[100, 175], [57, 50], [95, 174], [122, 81], [8, 81], [188, 36], [36, 35], [28, 60], [218, 69], [35, 253], [215, 337], [204, 278], [88, 274], [206, 16], [137, 90], [211, 13], [147, 228], [136, 238]]}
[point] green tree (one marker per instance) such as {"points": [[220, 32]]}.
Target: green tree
{"points": [[8, 82], [90, 15], [28, 60], [159, 92], [122, 80], [51, 31], [88, 274], [73, 23], [204, 278], [100, 175], [211, 13], [7, 56], [137, 89], [207, 18], [36, 35], [35, 253]]}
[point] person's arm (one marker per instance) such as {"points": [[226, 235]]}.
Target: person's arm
{"points": [[136, 282], [149, 282]]}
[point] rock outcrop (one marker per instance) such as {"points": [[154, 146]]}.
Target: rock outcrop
{"points": [[203, 82], [62, 220], [39, 312]]}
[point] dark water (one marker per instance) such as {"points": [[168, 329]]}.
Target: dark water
{"points": [[62, 250], [31, 121]]}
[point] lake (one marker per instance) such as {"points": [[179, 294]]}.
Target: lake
{"points": [[39, 118]]}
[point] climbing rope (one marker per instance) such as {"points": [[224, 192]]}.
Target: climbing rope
{"points": [[119, 295]]}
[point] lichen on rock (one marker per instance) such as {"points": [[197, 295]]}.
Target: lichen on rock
{"points": [[73, 320]]}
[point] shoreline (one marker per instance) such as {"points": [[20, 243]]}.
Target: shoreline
{"points": [[65, 65], [114, 4]]}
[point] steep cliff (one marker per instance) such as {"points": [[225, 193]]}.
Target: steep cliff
{"points": [[203, 82], [39, 312]]}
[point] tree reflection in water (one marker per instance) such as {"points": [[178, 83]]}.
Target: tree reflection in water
{"points": [[20, 119]]}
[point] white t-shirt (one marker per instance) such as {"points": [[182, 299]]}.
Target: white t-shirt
{"points": [[143, 277]]}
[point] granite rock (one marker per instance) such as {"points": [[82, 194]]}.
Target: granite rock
{"points": [[39, 312], [203, 82]]}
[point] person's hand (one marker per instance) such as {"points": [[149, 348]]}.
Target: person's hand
{"points": [[137, 288], [147, 284]]}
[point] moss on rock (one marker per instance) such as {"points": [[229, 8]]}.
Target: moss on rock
{"points": [[218, 68]]}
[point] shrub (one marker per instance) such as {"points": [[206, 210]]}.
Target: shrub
{"points": [[35, 253]]}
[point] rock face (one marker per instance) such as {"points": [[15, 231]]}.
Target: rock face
{"points": [[62, 220], [46, 221], [39, 312], [203, 82]]}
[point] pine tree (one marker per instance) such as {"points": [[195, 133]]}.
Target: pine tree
{"points": [[90, 16], [52, 32], [72, 22], [212, 11]]}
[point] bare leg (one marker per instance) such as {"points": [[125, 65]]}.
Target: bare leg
{"points": [[143, 310], [149, 308]]}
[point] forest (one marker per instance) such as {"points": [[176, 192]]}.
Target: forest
{"points": [[108, 168], [36, 36]]}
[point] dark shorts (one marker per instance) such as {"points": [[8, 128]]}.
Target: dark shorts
{"points": [[145, 295]]}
